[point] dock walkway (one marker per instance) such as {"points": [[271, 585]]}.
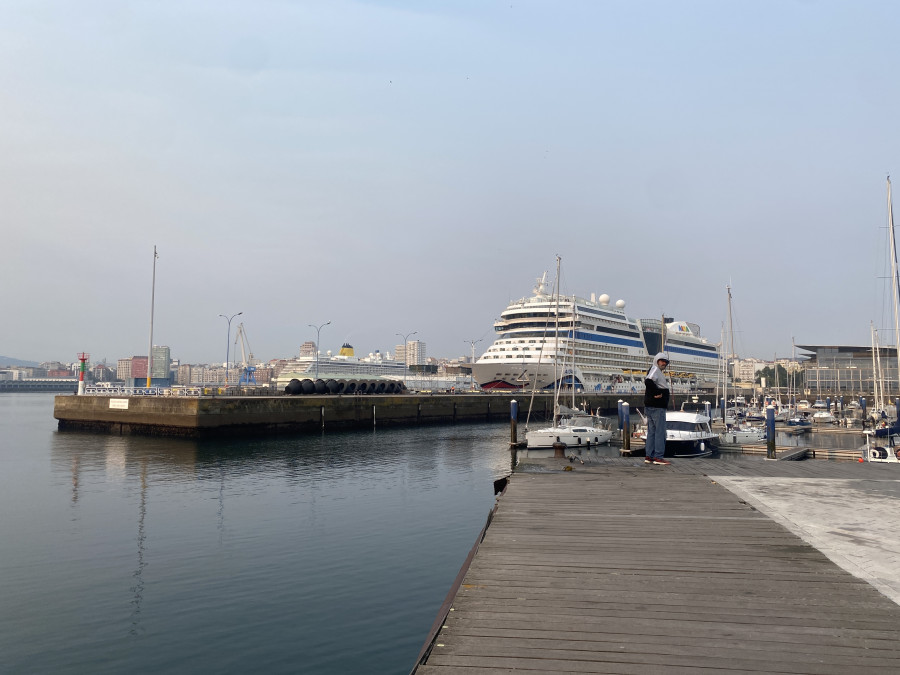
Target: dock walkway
{"points": [[703, 566]]}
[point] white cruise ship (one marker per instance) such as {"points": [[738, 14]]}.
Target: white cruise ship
{"points": [[342, 365], [598, 345]]}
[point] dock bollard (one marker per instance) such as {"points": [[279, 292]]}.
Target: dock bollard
{"points": [[770, 432], [559, 450], [513, 423], [626, 427]]}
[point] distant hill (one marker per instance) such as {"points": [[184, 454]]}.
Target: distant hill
{"points": [[10, 361]]}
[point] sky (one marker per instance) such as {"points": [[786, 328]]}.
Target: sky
{"points": [[397, 167]]}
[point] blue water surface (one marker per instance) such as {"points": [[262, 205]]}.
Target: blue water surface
{"points": [[329, 553]]}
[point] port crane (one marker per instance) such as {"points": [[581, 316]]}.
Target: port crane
{"points": [[249, 364]]}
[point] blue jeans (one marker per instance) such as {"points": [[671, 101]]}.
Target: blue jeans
{"points": [[656, 432]]}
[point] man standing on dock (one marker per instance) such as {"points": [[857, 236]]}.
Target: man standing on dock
{"points": [[656, 401]]}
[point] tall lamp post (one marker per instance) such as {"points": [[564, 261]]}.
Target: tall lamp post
{"points": [[405, 352], [318, 330], [228, 342], [472, 371]]}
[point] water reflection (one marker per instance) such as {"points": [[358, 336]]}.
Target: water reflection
{"points": [[138, 588]]}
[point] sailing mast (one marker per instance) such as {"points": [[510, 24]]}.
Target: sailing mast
{"points": [[895, 281], [556, 353], [730, 348]]}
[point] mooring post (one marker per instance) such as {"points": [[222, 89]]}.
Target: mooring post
{"points": [[626, 427], [619, 412], [513, 422], [770, 432]]}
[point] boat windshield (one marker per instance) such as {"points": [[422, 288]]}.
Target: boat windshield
{"points": [[685, 426]]}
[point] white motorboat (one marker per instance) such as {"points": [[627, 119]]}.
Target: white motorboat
{"points": [[884, 450], [823, 417], [740, 434], [688, 434]]}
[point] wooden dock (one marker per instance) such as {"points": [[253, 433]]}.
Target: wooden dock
{"points": [[614, 566]]}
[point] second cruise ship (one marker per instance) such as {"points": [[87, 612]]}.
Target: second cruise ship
{"points": [[549, 338]]}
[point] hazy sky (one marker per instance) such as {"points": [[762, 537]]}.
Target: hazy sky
{"points": [[413, 166]]}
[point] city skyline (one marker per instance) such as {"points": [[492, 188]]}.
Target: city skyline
{"points": [[395, 168]]}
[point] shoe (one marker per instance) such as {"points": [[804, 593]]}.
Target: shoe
{"points": [[647, 460], [660, 460]]}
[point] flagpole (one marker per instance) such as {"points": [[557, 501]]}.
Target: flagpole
{"points": [[152, 302]]}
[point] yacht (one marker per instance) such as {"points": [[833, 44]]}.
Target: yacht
{"points": [[688, 434], [589, 345], [575, 429]]}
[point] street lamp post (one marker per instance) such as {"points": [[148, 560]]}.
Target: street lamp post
{"points": [[405, 352], [318, 329], [472, 370], [228, 342]]}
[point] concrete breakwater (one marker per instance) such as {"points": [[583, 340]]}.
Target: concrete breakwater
{"points": [[216, 416]]}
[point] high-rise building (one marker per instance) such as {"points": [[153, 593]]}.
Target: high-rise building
{"points": [[139, 367], [415, 353], [160, 363], [123, 369], [183, 375]]}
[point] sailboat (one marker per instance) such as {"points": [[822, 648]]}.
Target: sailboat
{"points": [[890, 431], [735, 433], [571, 427]]}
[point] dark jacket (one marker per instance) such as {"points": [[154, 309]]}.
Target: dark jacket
{"points": [[651, 392]]}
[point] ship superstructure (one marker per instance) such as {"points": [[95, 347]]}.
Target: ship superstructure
{"points": [[548, 338]]}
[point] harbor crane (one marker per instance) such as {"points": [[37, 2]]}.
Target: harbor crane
{"points": [[247, 360]]}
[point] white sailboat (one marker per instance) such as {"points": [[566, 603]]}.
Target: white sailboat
{"points": [[571, 427], [736, 433]]}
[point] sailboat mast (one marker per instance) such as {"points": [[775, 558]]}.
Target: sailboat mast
{"points": [[572, 348], [731, 345], [895, 281], [556, 352]]}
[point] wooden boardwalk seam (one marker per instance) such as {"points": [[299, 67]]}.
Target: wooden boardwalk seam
{"points": [[615, 567]]}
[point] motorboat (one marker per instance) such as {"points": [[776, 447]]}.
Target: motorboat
{"points": [[799, 420], [823, 417], [688, 434], [740, 434], [884, 451]]}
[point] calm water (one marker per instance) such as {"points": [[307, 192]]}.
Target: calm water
{"points": [[325, 554]]}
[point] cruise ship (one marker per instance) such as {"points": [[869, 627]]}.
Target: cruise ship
{"points": [[344, 364], [593, 345]]}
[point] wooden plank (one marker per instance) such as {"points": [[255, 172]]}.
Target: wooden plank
{"points": [[618, 568]]}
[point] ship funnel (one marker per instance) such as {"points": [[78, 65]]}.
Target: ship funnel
{"points": [[594, 297]]}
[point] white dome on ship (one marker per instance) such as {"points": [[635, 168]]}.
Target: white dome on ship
{"points": [[620, 304], [604, 299]]}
